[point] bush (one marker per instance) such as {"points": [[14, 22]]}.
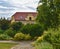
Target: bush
{"points": [[1, 31], [4, 37], [19, 36], [44, 45], [40, 39], [27, 37], [53, 36], [10, 32], [16, 26], [32, 29]]}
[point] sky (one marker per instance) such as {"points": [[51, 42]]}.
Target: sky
{"points": [[9, 7]]}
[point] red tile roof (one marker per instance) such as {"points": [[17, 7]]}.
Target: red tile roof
{"points": [[20, 16]]}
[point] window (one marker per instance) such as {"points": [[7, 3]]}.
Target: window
{"points": [[29, 18]]}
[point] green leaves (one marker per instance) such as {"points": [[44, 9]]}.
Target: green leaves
{"points": [[48, 13]]}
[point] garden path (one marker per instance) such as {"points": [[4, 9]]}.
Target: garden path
{"points": [[23, 45]]}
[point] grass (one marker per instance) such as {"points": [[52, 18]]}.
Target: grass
{"points": [[6, 45]]}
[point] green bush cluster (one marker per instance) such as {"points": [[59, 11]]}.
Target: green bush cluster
{"points": [[10, 32], [11, 29], [32, 29], [16, 26], [4, 37], [21, 36], [44, 45], [53, 36]]}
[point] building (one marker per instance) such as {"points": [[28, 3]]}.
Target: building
{"points": [[24, 17]]}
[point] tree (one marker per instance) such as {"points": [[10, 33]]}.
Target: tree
{"points": [[4, 24], [16, 25], [48, 13]]}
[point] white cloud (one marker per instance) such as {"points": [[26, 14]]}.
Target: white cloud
{"points": [[2, 7], [20, 5], [23, 3]]}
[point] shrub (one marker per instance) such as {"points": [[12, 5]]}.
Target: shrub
{"points": [[44, 45], [35, 38], [1, 31], [27, 37], [32, 29], [10, 32], [53, 36], [4, 37], [40, 39], [26, 29], [16, 26], [19, 36]]}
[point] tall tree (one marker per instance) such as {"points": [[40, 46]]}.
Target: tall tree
{"points": [[48, 13], [4, 24]]}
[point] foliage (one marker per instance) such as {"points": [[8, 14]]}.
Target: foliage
{"points": [[32, 29], [1, 31], [4, 37], [39, 39], [4, 24], [16, 25], [19, 36], [10, 32], [43, 45], [27, 37], [48, 13], [53, 36]]}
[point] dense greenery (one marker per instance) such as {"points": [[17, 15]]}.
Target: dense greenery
{"points": [[49, 17], [4, 37], [16, 25], [11, 30], [4, 24], [42, 45], [49, 13], [47, 28], [32, 29], [53, 37], [21, 36]]}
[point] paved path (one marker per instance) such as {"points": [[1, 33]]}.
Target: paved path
{"points": [[8, 41], [24, 45]]}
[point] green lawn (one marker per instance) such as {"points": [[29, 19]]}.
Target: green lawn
{"points": [[6, 45]]}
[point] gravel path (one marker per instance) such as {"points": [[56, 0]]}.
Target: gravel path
{"points": [[24, 45]]}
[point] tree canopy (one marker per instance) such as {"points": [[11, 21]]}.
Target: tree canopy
{"points": [[48, 13]]}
